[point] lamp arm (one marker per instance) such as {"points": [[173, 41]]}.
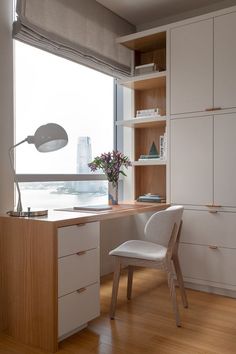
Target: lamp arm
{"points": [[10, 153]]}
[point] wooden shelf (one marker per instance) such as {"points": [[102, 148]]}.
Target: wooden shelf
{"points": [[143, 122], [144, 43], [149, 162], [144, 82]]}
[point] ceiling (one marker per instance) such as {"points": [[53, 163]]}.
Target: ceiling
{"points": [[138, 12]]}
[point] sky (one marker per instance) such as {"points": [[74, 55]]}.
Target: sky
{"points": [[50, 89]]}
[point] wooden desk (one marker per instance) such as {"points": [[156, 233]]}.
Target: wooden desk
{"points": [[30, 251]]}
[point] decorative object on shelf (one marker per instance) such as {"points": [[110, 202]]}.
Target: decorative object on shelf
{"points": [[153, 154], [151, 198], [153, 112], [144, 69], [111, 164], [48, 137]]}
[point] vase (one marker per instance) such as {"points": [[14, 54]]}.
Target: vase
{"points": [[112, 193]]}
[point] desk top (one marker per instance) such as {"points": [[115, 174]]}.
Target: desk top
{"points": [[62, 218]]}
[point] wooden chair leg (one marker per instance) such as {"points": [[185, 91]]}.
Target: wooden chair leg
{"points": [[115, 287], [171, 283], [180, 281], [130, 282]]}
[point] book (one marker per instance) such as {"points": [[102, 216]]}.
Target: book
{"points": [[93, 207], [151, 198], [145, 157]]}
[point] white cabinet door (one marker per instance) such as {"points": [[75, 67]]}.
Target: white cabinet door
{"points": [[225, 61], [192, 160], [225, 160], [192, 67]]}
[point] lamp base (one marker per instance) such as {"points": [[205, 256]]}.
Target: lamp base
{"points": [[29, 213]]}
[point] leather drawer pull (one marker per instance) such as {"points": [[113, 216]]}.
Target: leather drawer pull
{"points": [[213, 247], [81, 224], [213, 206], [213, 109], [81, 253], [81, 290]]}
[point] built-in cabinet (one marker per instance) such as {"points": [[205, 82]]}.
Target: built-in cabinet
{"points": [[197, 93], [203, 145], [203, 56]]}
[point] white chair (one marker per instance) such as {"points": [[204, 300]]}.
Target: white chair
{"points": [[162, 232]]}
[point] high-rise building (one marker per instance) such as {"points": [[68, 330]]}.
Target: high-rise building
{"points": [[84, 154]]}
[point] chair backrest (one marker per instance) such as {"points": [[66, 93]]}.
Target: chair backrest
{"points": [[159, 227]]}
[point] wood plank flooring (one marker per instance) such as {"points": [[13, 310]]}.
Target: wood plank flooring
{"points": [[146, 325]]}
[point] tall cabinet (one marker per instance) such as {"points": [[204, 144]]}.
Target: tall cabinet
{"points": [[148, 92], [203, 146], [196, 92]]}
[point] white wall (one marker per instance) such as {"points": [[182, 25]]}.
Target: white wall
{"points": [[6, 104]]}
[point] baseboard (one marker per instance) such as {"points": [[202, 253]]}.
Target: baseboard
{"points": [[210, 289]]}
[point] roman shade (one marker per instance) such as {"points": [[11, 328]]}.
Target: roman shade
{"points": [[80, 30]]}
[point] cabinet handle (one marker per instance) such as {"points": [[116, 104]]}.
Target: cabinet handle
{"points": [[79, 225], [81, 290], [213, 247], [213, 109], [213, 206], [81, 253]]}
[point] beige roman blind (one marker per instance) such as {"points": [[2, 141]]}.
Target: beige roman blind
{"points": [[80, 30]]}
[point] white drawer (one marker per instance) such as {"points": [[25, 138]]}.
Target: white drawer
{"points": [[77, 309], [77, 271], [201, 262], [204, 228], [72, 239]]}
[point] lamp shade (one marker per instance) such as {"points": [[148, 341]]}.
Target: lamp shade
{"points": [[49, 137]]}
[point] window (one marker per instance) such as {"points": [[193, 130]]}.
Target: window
{"points": [[52, 89]]}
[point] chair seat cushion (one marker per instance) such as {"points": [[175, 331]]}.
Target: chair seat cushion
{"points": [[140, 249]]}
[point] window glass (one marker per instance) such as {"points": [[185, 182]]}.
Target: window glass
{"points": [[52, 89], [66, 194]]}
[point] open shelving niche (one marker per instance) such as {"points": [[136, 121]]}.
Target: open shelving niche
{"points": [[149, 91]]}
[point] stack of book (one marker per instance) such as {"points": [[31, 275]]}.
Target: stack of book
{"points": [[163, 147], [144, 69], [151, 198]]}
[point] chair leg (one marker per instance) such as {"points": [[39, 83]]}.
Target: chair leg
{"points": [[130, 282], [115, 287], [180, 281], [171, 283]]}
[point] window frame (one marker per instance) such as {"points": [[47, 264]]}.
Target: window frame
{"points": [[22, 178]]}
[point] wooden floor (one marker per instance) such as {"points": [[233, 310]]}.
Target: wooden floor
{"points": [[146, 324]]}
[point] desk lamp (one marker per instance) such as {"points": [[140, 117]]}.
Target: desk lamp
{"points": [[49, 137]]}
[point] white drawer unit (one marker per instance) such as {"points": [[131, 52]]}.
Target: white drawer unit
{"points": [[78, 276], [205, 228], [77, 270], [81, 237], [77, 308], [208, 263]]}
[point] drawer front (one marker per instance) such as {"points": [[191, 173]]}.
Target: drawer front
{"points": [[72, 239], [201, 262], [77, 309], [204, 228], [77, 271]]}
